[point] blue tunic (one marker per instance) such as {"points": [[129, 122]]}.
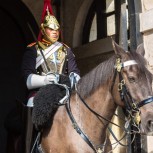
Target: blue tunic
{"points": [[29, 62]]}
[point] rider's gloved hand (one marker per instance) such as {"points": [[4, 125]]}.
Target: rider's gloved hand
{"points": [[51, 78], [36, 81], [74, 78]]}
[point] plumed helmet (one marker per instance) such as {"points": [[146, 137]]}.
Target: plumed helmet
{"points": [[50, 21]]}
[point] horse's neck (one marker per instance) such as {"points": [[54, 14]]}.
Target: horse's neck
{"points": [[62, 131], [101, 102]]}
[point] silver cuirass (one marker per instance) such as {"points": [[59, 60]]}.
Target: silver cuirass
{"points": [[55, 62]]}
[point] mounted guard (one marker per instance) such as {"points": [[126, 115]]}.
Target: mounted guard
{"points": [[46, 62]]}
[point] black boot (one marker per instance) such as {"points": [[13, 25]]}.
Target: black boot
{"points": [[29, 130]]}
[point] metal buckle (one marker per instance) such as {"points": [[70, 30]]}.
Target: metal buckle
{"points": [[118, 65], [137, 118], [134, 106], [99, 150], [120, 85]]}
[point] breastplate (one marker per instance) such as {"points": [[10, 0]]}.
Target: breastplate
{"points": [[55, 62]]}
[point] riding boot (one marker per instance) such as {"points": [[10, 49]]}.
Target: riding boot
{"points": [[29, 130]]}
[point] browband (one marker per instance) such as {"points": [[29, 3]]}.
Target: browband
{"points": [[130, 62]]}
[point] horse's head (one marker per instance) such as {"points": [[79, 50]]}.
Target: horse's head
{"points": [[135, 86]]}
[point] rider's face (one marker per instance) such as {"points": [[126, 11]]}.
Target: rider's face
{"points": [[53, 34]]}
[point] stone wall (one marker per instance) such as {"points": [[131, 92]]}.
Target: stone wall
{"points": [[146, 28]]}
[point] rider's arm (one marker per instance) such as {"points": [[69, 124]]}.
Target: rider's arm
{"points": [[29, 72], [74, 72]]}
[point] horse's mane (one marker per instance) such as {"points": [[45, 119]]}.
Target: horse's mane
{"points": [[96, 77], [104, 71]]}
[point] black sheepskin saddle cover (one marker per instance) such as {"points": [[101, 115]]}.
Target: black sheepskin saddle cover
{"points": [[46, 103]]}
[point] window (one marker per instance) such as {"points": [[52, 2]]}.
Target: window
{"points": [[103, 20], [110, 14]]}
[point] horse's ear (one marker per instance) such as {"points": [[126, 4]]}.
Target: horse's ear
{"points": [[140, 50], [118, 50]]}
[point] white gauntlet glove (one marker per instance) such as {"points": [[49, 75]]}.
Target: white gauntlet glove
{"points": [[36, 81], [51, 78]]}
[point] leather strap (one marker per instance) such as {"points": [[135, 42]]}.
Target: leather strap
{"points": [[145, 101]]}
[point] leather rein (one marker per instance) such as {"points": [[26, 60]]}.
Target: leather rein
{"points": [[125, 96]]}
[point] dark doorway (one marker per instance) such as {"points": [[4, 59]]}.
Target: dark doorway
{"points": [[15, 35]]}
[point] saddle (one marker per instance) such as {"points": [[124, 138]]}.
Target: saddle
{"points": [[46, 103]]}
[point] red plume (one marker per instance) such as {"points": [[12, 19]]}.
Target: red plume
{"points": [[47, 5]]}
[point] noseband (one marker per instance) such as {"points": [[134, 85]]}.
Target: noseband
{"points": [[125, 96], [145, 101]]}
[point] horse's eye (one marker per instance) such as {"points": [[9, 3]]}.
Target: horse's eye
{"points": [[131, 79]]}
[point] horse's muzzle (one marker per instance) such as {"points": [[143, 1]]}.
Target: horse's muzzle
{"points": [[147, 122]]}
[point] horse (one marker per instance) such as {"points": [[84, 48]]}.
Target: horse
{"points": [[80, 123]]}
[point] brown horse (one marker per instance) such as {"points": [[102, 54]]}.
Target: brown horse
{"points": [[80, 127]]}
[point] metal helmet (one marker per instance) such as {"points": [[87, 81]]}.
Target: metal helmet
{"points": [[50, 21]]}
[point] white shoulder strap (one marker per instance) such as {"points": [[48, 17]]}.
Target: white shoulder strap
{"points": [[47, 52]]}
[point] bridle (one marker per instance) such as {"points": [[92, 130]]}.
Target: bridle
{"points": [[130, 105]]}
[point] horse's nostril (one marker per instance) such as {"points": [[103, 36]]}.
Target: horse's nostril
{"points": [[150, 125]]}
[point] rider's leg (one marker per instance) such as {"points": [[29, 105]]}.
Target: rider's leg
{"points": [[29, 129]]}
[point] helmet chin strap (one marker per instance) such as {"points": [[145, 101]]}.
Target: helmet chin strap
{"points": [[47, 37]]}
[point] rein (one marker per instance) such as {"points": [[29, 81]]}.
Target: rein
{"points": [[78, 129], [97, 148], [125, 96], [131, 106]]}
